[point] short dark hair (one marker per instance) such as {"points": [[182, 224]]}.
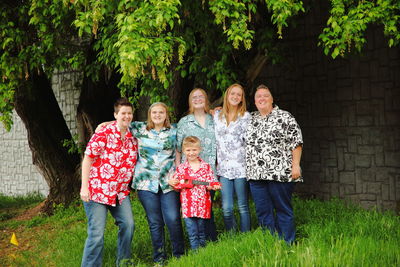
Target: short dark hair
{"points": [[262, 86], [123, 101]]}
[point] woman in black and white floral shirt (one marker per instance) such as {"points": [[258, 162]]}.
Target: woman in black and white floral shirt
{"points": [[273, 151]]}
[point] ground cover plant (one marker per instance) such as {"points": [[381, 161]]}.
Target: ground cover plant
{"points": [[329, 233]]}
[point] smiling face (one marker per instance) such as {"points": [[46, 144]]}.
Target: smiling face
{"points": [[198, 100], [263, 100], [124, 116], [192, 152], [235, 96], [158, 115]]}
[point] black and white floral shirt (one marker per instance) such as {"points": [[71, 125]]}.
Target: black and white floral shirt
{"points": [[269, 144]]}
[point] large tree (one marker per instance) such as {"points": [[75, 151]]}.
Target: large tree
{"points": [[154, 48]]}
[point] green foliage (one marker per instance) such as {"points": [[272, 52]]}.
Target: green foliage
{"points": [[349, 20], [154, 43], [73, 145], [35, 37]]}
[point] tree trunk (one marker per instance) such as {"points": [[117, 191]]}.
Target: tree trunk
{"points": [[37, 106], [96, 102]]}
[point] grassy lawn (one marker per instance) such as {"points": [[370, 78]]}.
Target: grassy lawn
{"points": [[328, 234]]}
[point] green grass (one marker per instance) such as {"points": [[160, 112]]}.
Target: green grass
{"points": [[11, 205], [329, 233]]}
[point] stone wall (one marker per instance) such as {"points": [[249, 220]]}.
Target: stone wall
{"points": [[17, 173], [349, 113]]}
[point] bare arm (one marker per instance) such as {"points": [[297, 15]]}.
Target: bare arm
{"points": [[177, 157], [296, 156], [86, 164]]}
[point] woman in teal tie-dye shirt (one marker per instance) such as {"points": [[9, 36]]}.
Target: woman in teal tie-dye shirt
{"points": [[157, 146], [200, 123]]}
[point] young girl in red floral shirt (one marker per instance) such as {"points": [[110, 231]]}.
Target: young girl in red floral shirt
{"points": [[194, 178]]}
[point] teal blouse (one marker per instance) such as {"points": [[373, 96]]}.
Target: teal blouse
{"points": [[156, 157], [188, 126]]}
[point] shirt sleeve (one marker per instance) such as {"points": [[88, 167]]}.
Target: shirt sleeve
{"points": [[96, 144], [134, 127], [210, 177], [180, 134], [245, 121], [294, 136]]}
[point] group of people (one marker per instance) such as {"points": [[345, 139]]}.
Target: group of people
{"points": [[177, 168]]}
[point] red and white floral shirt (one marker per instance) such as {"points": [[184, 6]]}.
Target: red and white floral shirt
{"points": [[113, 164], [196, 201]]}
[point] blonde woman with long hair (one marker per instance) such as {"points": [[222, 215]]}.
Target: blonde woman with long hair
{"points": [[230, 130]]}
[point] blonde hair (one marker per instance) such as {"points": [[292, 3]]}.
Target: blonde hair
{"points": [[226, 107], [191, 141], [150, 123], [206, 104]]}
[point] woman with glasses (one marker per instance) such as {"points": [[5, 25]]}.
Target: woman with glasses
{"points": [[200, 123]]}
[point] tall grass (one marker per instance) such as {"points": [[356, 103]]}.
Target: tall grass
{"points": [[329, 233]]}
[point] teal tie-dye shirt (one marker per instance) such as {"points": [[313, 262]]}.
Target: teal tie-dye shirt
{"points": [[156, 157], [188, 126]]}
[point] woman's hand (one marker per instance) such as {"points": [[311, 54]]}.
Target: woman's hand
{"points": [[296, 171], [173, 182], [212, 111], [101, 125], [85, 194]]}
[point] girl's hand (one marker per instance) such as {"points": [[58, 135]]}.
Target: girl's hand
{"points": [[217, 187], [85, 194]]}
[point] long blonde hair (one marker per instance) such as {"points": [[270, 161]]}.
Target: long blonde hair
{"points": [[150, 123], [226, 107], [206, 104]]}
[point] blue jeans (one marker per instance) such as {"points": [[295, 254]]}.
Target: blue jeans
{"points": [[211, 228], [270, 197], [163, 209], [97, 214], [241, 188], [195, 228]]}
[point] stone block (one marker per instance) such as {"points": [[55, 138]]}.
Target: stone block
{"points": [[363, 120], [344, 94], [385, 192], [374, 188], [366, 150], [392, 118], [367, 204], [392, 159], [363, 161], [364, 107], [349, 162], [352, 144], [340, 158], [330, 163], [346, 177]]}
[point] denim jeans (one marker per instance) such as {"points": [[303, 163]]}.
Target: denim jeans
{"points": [[241, 187], [195, 228], [163, 209], [211, 228], [97, 214], [270, 197]]}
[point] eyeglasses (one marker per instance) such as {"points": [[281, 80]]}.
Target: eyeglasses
{"points": [[198, 97]]}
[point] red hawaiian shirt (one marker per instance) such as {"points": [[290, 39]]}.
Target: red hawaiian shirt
{"points": [[196, 201], [113, 164]]}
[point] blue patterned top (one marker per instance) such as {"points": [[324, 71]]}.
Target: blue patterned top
{"points": [[156, 157], [188, 126]]}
